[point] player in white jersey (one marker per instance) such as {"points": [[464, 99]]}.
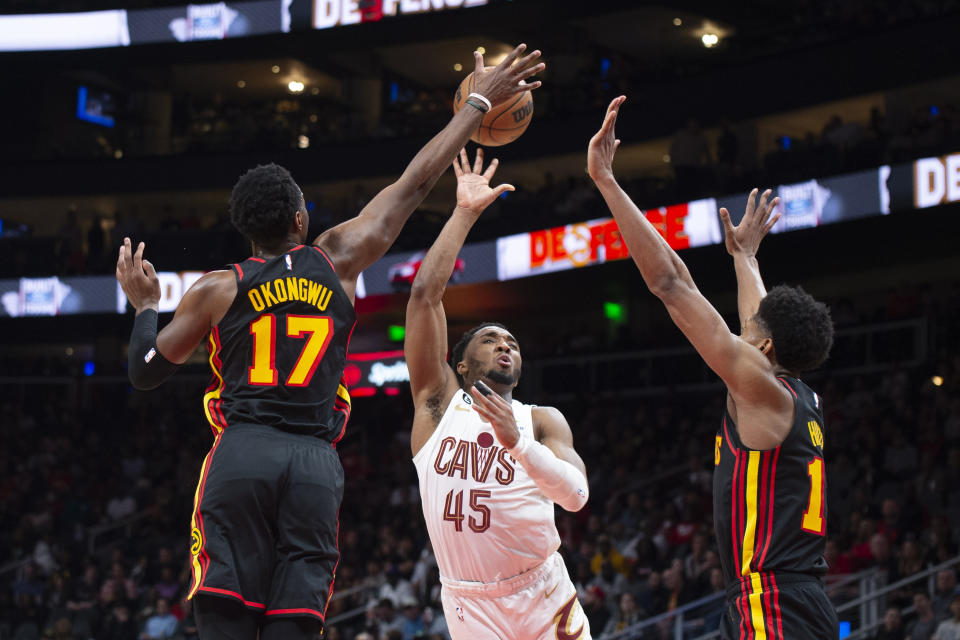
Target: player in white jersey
{"points": [[490, 467]]}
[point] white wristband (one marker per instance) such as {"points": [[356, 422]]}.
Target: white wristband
{"points": [[559, 480], [481, 99]]}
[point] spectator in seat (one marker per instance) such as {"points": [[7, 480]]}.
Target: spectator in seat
{"points": [[950, 629], [162, 624], [946, 590], [892, 628], [627, 615], [923, 626]]}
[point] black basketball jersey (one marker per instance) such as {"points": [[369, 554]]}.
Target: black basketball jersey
{"points": [[278, 353], [769, 507]]}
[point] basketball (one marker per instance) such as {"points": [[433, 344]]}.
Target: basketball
{"points": [[504, 123]]}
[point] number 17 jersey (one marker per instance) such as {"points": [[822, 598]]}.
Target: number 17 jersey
{"points": [[279, 352], [769, 507]]}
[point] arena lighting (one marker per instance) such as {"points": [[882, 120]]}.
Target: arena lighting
{"points": [[241, 83], [89, 368], [295, 86], [677, 22], [937, 381], [710, 40], [613, 311], [275, 69], [481, 50], [303, 142], [396, 333], [458, 67]]}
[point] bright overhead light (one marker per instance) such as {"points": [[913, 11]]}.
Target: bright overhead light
{"points": [[937, 381], [303, 142], [458, 67], [241, 83], [275, 68], [710, 40], [315, 91], [677, 22], [482, 50], [665, 157], [295, 86]]}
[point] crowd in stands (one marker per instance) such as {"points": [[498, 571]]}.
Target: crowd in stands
{"points": [[699, 167], [643, 546]]}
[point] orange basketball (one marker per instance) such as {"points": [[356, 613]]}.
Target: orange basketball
{"points": [[504, 123]]}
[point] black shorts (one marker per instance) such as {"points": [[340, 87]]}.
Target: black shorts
{"points": [[779, 606], [265, 521]]}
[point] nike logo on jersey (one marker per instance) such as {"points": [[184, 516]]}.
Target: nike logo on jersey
{"points": [[547, 594]]}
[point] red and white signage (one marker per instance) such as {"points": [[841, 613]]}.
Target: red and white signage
{"points": [[690, 224]]}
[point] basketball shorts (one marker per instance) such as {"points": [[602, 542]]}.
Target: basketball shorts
{"points": [[265, 521], [779, 606], [538, 604]]}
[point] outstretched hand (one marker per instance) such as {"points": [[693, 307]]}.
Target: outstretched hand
{"points": [[603, 145], [756, 223], [138, 278], [499, 83], [473, 184]]}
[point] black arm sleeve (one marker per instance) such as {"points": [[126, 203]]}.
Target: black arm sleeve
{"points": [[146, 366]]}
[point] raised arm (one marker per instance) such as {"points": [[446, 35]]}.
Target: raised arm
{"points": [[432, 381], [742, 243], [361, 241], [742, 367], [153, 357]]}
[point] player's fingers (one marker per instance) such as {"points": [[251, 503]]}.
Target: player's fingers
{"points": [[751, 204], [772, 223], [491, 169], [527, 86], [527, 61], [513, 55], [725, 219], [503, 188], [149, 270], [477, 62], [121, 261], [478, 161], [616, 143], [532, 71], [763, 207], [138, 258]]}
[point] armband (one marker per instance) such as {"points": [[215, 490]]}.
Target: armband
{"points": [[146, 366]]}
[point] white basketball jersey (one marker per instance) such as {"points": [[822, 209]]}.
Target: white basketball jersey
{"points": [[486, 518]]}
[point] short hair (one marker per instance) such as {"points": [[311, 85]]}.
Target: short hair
{"points": [[457, 354], [263, 203], [800, 327]]}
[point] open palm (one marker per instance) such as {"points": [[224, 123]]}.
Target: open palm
{"points": [[473, 184]]}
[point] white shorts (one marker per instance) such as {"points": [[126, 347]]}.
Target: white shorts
{"points": [[538, 604]]}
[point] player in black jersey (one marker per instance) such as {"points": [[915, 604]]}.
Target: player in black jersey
{"points": [[277, 327], [769, 478]]}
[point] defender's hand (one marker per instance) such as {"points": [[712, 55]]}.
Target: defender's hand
{"points": [[473, 187], [499, 413], [138, 278], [756, 223], [499, 83], [603, 145]]}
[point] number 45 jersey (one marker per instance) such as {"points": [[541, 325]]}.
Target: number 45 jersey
{"points": [[486, 518], [279, 352], [769, 507]]}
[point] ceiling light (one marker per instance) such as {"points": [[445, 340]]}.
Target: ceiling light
{"points": [[275, 68], [315, 91], [241, 83], [710, 40], [295, 86], [677, 22], [937, 381], [118, 154], [481, 50], [665, 158], [303, 142], [458, 67]]}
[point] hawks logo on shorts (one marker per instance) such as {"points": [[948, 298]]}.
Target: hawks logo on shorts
{"points": [[564, 620], [196, 541]]}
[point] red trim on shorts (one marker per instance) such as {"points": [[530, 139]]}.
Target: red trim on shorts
{"points": [[294, 612], [776, 606], [771, 627], [746, 630], [234, 595], [325, 257], [333, 575]]}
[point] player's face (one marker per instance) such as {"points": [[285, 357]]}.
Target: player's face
{"points": [[495, 354]]}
